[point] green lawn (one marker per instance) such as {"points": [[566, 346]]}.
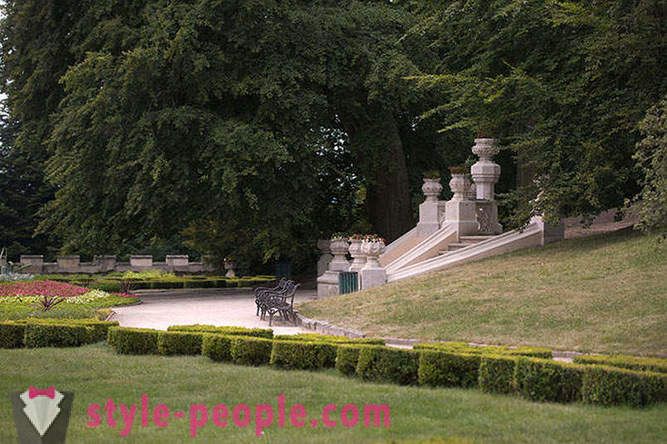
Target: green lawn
{"points": [[604, 293], [95, 374]]}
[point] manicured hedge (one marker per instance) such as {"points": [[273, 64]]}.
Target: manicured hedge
{"points": [[303, 355], [314, 337], [11, 334], [610, 385], [217, 347], [444, 369], [246, 350], [179, 343], [133, 341], [622, 361], [546, 380], [386, 364], [233, 331], [56, 335], [113, 284], [462, 347], [99, 328], [347, 357], [496, 373]]}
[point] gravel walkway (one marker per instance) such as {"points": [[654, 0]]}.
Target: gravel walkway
{"points": [[231, 307]]}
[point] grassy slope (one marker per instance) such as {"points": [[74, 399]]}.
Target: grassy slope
{"points": [[604, 293], [94, 374]]}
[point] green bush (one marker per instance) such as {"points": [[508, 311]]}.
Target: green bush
{"points": [[462, 347], [315, 337], [99, 329], [56, 335], [496, 373], [11, 334], [546, 380], [303, 355], [610, 386], [622, 361], [386, 364], [133, 341], [246, 350], [108, 286], [217, 347], [233, 331], [179, 343], [347, 357], [445, 369]]}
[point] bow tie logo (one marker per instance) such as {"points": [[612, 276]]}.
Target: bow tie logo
{"points": [[34, 392]]}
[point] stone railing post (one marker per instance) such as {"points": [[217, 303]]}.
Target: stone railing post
{"points": [[373, 274], [36, 262], [429, 221], [328, 284], [459, 211], [141, 261], [68, 264], [485, 173]]}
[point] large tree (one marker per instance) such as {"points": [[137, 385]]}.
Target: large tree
{"points": [[252, 123]]}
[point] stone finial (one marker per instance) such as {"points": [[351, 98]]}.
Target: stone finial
{"points": [[339, 247], [431, 189], [458, 184]]}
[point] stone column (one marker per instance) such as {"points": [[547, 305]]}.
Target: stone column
{"points": [[486, 173], [429, 221], [460, 212], [325, 258], [358, 259], [373, 274], [327, 284]]}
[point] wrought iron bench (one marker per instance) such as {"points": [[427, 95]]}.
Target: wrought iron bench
{"points": [[281, 303], [261, 293]]}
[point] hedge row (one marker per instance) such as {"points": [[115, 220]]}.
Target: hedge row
{"points": [[233, 331], [52, 332], [314, 337], [114, 285], [531, 378], [463, 347], [657, 365]]}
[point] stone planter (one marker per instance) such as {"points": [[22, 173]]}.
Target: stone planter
{"points": [[229, 266], [485, 172], [358, 257], [458, 185], [339, 248], [372, 250], [431, 189]]}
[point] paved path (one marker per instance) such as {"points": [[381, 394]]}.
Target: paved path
{"points": [[234, 307]]}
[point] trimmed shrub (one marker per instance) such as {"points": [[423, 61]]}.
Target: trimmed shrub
{"points": [[303, 355], [56, 335], [217, 347], [98, 332], [386, 364], [610, 386], [315, 337], [496, 373], [108, 286], [463, 347], [622, 361], [133, 341], [11, 334], [233, 331], [347, 357], [179, 343], [246, 350], [546, 380], [444, 369]]}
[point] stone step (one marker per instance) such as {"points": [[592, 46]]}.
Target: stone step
{"points": [[474, 239], [457, 246]]}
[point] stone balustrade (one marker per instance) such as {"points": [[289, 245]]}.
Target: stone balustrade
{"points": [[108, 263]]}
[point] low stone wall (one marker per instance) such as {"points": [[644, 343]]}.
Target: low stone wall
{"points": [[106, 264]]}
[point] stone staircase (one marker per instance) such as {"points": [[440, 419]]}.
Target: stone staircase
{"points": [[464, 241]]}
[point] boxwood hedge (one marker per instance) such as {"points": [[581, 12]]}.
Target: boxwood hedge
{"points": [[610, 385], [11, 334], [547, 380], [247, 350], [179, 343], [217, 347], [496, 373], [622, 361], [133, 341], [56, 335], [386, 364], [463, 347], [315, 337], [303, 355], [445, 369], [233, 331]]}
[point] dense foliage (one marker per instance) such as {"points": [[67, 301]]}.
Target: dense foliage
{"points": [[251, 128]]}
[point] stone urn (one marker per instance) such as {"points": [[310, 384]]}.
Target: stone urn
{"points": [[358, 257], [339, 247], [229, 266], [372, 249], [458, 184], [431, 189]]}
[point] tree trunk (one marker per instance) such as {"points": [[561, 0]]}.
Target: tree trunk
{"points": [[379, 152]]}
